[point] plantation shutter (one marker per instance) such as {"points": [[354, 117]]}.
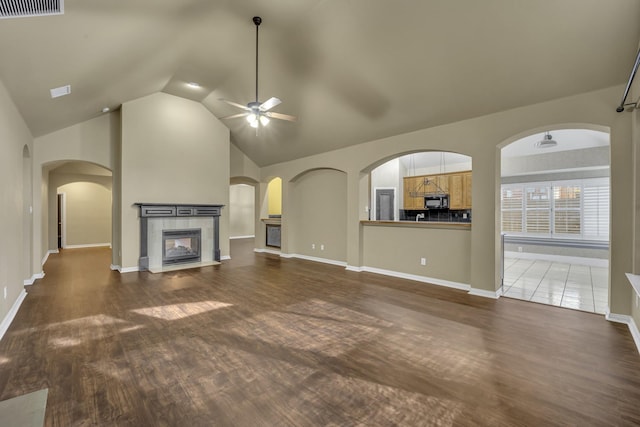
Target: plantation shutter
{"points": [[538, 209], [567, 209], [512, 209], [596, 209]]}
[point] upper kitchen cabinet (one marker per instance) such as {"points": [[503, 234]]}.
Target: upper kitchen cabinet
{"points": [[460, 191]]}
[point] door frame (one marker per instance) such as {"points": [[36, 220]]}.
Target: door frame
{"points": [[62, 201], [395, 202]]}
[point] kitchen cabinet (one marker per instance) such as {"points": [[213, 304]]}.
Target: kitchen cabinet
{"points": [[457, 185], [466, 186], [456, 191], [413, 184]]}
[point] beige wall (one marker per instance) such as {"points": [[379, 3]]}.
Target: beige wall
{"points": [[173, 151], [241, 210], [241, 166], [87, 208], [481, 138], [400, 249], [317, 214], [91, 141], [14, 136]]}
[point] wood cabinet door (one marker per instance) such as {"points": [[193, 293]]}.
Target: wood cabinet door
{"points": [[412, 185], [467, 190], [456, 192]]}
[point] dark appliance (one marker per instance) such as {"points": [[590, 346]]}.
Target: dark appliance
{"points": [[436, 201]]}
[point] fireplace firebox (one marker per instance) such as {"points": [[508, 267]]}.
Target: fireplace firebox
{"points": [[180, 246]]}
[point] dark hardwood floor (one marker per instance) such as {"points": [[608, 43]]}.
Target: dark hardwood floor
{"points": [[265, 341]]}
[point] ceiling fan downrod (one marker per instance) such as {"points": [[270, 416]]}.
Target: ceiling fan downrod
{"points": [[257, 20]]}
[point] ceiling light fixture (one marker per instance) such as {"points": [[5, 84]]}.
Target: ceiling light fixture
{"points": [[257, 113], [193, 85], [547, 141], [106, 109]]}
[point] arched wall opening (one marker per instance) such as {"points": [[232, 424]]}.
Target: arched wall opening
{"points": [[554, 216], [79, 207], [422, 186], [242, 208]]}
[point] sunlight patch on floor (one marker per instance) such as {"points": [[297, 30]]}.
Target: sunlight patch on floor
{"points": [[180, 311]]}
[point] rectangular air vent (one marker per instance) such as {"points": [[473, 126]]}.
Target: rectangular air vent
{"points": [[24, 8]]}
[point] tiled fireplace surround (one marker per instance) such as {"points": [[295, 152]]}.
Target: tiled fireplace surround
{"points": [[156, 217]]}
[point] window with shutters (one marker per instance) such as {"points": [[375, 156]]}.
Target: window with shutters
{"points": [[563, 209]]}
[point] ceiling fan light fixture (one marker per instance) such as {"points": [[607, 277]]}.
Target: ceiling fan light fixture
{"points": [[252, 117], [254, 124], [264, 120]]}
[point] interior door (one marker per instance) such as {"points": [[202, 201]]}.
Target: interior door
{"points": [[385, 200], [59, 221]]}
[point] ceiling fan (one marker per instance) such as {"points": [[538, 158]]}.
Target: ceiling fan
{"points": [[256, 112]]}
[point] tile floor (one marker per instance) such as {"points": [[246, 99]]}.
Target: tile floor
{"points": [[579, 287]]}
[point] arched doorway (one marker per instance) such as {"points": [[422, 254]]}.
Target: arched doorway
{"points": [[80, 205], [554, 214]]}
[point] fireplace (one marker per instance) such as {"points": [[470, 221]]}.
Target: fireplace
{"points": [[181, 246]]}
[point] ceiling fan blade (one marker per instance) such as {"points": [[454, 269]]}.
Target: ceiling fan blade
{"points": [[269, 104], [280, 116], [235, 104], [234, 116]]}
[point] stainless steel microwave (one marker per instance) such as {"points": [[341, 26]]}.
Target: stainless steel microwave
{"points": [[436, 201]]}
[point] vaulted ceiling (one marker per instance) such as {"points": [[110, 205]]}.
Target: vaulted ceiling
{"points": [[350, 70]]}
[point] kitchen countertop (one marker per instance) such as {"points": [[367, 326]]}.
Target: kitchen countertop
{"points": [[420, 224]]}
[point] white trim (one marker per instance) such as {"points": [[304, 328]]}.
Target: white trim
{"points": [[49, 252], [32, 279], [128, 269], [627, 320], [485, 293], [225, 257], [243, 237], [268, 251], [115, 267], [6, 322], [88, 245], [316, 259], [353, 268], [593, 262], [424, 279]]}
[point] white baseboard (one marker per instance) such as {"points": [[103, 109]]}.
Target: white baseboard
{"points": [[315, 259], [424, 279], [33, 278], [89, 245], [627, 320], [485, 293], [242, 237], [115, 267], [592, 262], [128, 269], [49, 252], [224, 257], [353, 268], [268, 251], [6, 322]]}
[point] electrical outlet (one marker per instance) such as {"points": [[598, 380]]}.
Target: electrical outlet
{"points": [[313, 246], [423, 261], [519, 248], [322, 247]]}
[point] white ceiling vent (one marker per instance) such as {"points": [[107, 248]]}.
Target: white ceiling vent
{"points": [[23, 8]]}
